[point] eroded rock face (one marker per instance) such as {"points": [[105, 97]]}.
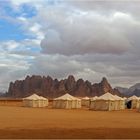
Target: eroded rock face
{"points": [[51, 88], [70, 84]]}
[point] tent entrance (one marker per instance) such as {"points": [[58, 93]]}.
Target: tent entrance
{"points": [[129, 104]]}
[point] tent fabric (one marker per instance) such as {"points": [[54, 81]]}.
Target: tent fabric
{"points": [[135, 102], [85, 98], [107, 96], [120, 103], [133, 98], [67, 102], [32, 97], [107, 102], [103, 105], [118, 98], [124, 98], [92, 102], [85, 101], [35, 101], [67, 97], [94, 98]]}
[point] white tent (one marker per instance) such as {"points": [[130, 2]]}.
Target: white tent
{"points": [[92, 102], [120, 103], [94, 98], [85, 101], [124, 98], [112, 102], [134, 97], [134, 102], [67, 102], [104, 102], [35, 101]]}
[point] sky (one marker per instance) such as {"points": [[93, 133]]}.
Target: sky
{"points": [[89, 39]]}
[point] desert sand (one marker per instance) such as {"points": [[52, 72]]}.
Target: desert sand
{"points": [[21, 122]]}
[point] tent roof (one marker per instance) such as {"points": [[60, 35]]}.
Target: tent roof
{"points": [[67, 97], [94, 98], [118, 97], [43, 98], [133, 98], [124, 98], [107, 96], [34, 97], [86, 98]]}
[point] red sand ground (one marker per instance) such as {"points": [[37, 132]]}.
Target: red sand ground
{"points": [[21, 122]]}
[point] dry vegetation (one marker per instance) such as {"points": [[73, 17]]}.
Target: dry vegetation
{"points": [[20, 122]]}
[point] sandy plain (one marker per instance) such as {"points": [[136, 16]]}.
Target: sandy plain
{"points": [[21, 122]]}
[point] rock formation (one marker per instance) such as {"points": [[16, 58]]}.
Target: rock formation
{"points": [[48, 87], [133, 90]]}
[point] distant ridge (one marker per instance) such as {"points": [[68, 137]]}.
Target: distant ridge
{"points": [[48, 87], [133, 90]]}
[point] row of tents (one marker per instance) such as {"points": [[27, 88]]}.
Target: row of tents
{"points": [[67, 101]]}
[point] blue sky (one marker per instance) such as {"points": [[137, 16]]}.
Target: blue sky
{"points": [[89, 39], [11, 31], [9, 28]]}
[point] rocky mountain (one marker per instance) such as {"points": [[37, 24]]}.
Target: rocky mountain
{"points": [[122, 89], [134, 87], [48, 87], [133, 90]]}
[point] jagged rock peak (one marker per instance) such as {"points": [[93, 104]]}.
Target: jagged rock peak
{"points": [[71, 78], [104, 80]]}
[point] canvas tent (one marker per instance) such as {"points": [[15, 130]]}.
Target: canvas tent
{"points": [[85, 101], [124, 98], [133, 102], [120, 103], [94, 98], [67, 102], [92, 102], [105, 102], [35, 101]]}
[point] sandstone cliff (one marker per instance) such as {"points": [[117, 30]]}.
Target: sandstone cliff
{"points": [[51, 88]]}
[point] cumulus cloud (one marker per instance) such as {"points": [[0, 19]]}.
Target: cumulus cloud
{"points": [[55, 65], [15, 60], [12, 67], [86, 32]]}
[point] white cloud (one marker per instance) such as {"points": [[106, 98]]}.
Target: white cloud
{"points": [[9, 45], [76, 33], [12, 67], [36, 29], [19, 2]]}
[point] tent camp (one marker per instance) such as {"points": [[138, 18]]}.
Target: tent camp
{"points": [[133, 102], [105, 102], [35, 101], [67, 102], [85, 101]]}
